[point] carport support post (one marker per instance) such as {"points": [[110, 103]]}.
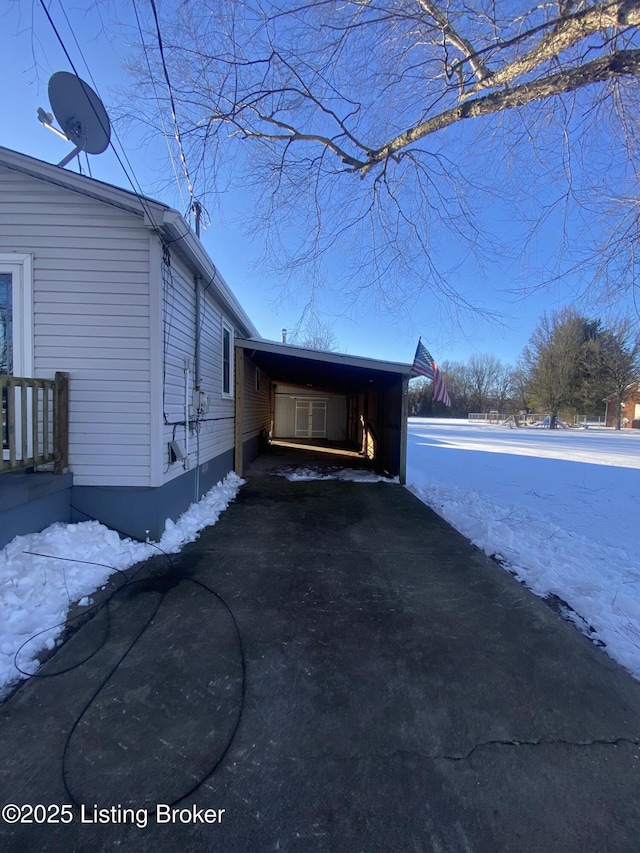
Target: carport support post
{"points": [[238, 407], [404, 417]]}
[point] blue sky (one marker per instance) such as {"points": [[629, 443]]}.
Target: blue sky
{"points": [[31, 53]]}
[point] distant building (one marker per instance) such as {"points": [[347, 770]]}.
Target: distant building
{"points": [[629, 411]]}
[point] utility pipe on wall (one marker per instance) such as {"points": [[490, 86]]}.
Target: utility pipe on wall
{"points": [[198, 377], [197, 282], [187, 377]]}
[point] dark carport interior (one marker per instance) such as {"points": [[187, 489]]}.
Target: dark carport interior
{"points": [[371, 417]]}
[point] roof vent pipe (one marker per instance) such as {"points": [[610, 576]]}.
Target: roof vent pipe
{"points": [[283, 336]]}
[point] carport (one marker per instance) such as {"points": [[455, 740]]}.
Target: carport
{"points": [[322, 399]]}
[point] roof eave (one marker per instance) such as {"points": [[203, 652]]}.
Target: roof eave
{"points": [[161, 218], [263, 345], [90, 187]]}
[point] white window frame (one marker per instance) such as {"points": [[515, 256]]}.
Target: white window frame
{"points": [[228, 395], [21, 269]]}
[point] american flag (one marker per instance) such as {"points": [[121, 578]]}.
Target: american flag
{"points": [[424, 365]]}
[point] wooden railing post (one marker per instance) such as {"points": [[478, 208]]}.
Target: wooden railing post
{"points": [[61, 423], [11, 420], [34, 418]]}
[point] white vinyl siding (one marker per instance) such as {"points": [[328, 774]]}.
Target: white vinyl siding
{"points": [[90, 318], [211, 357], [178, 339], [217, 426], [106, 312], [213, 433]]}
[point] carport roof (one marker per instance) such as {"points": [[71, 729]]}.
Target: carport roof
{"points": [[301, 366]]}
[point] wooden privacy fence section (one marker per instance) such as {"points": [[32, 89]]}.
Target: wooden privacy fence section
{"points": [[35, 422]]}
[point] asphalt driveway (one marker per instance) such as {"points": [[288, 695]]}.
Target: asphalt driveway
{"points": [[329, 668]]}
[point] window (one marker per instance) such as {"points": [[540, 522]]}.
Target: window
{"points": [[257, 379], [16, 315], [16, 329], [6, 323], [227, 360]]}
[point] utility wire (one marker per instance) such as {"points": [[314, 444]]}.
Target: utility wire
{"points": [[172, 102], [136, 189], [160, 115], [161, 584]]}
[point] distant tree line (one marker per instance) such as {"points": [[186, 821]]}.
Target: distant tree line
{"points": [[571, 365]]}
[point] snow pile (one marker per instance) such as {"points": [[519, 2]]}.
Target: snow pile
{"points": [[36, 590], [557, 510], [203, 514], [353, 475]]}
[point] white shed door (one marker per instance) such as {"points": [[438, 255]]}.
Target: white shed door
{"points": [[311, 418]]}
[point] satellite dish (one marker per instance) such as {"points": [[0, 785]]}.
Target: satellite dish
{"points": [[80, 114]]}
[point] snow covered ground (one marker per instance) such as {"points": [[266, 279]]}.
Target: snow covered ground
{"points": [[353, 475], [560, 509], [42, 574]]}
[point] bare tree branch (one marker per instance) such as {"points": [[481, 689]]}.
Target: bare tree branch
{"points": [[566, 33], [596, 71], [299, 101], [459, 42]]}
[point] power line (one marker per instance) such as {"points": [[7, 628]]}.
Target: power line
{"points": [[172, 102], [155, 92], [136, 189]]}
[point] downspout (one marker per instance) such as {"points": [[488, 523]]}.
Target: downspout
{"points": [[197, 282], [187, 377]]}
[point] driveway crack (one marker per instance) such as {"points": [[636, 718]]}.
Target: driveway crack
{"points": [[416, 753], [541, 742]]}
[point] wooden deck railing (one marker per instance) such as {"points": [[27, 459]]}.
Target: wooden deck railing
{"points": [[35, 422]]}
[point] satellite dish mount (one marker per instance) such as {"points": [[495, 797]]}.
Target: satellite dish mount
{"points": [[79, 112]]}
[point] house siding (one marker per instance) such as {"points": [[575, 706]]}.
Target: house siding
{"points": [[257, 404], [91, 319], [256, 410], [217, 426], [212, 436]]}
